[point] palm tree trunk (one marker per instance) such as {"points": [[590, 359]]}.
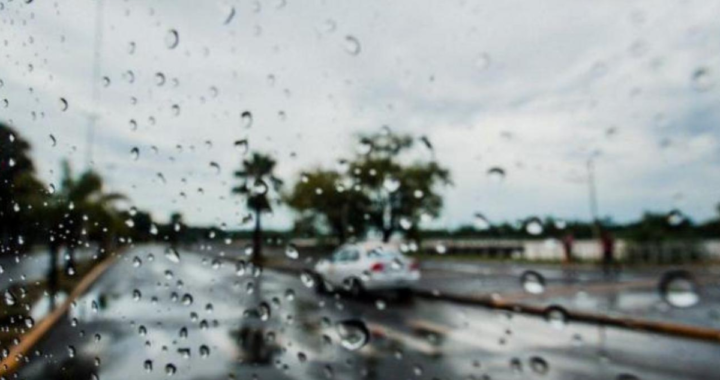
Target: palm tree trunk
{"points": [[257, 239], [52, 274]]}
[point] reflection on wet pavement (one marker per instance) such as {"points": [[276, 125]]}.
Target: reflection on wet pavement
{"points": [[201, 318]]}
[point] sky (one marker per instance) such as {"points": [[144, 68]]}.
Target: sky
{"points": [[534, 88]]}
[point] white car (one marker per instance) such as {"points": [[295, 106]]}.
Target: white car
{"points": [[367, 267]]}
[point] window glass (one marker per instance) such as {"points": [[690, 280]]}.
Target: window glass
{"points": [[359, 189]]}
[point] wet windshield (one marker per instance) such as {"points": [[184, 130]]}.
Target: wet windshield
{"points": [[362, 189]]}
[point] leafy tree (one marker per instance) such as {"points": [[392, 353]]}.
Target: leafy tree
{"points": [[380, 190], [20, 192], [257, 180], [401, 193], [326, 203]]}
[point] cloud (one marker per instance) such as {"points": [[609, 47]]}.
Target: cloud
{"points": [[535, 89]]}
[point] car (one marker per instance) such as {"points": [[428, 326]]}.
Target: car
{"points": [[367, 267]]}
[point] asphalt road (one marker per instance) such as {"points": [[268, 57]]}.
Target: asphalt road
{"points": [[201, 318]]}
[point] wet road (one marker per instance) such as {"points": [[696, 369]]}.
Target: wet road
{"points": [[202, 318]]}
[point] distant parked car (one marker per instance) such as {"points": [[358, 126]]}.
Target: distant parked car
{"points": [[362, 267]]}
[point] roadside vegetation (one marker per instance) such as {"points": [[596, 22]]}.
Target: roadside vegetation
{"points": [[388, 186]]}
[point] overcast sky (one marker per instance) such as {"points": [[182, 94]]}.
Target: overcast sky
{"points": [[533, 87]]}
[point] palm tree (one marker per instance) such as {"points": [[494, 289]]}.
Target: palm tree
{"points": [[257, 179], [79, 211], [20, 192]]}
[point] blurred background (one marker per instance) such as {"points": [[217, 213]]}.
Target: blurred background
{"points": [[277, 189]]}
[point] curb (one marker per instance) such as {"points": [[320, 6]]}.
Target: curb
{"points": [[639, 325], [14, 359]]}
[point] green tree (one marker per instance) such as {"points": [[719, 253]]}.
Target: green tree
{"points": [[20, 192], [401, 193], [325, 203], [257, 180]]}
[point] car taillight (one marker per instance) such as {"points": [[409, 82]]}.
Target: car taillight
{"points": [[377, 267], [414, 265]]}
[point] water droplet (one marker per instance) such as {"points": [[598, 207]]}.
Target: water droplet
{"points": [[380, 305], [242, 146], [534, 226], [675, 218], [159, 79], [481, 222], [352, 45], [292, 252], [187, 299], [137, 295], [259, 187], [246, 119], [215, 167], [364, 147], [170, 369], [440, 248], [63, 104], [391, 184], [264, 311], [539, 365], [307, 278], [533, 282], [172, 39], [405, 223], [29, 322], [556, 316], [148, 365], [496, 174], [482, 61], [204, 351], [679, 289], [71, 351], [702, 79], [53, 141], [172, 255], [353, 334], [230, 16]]}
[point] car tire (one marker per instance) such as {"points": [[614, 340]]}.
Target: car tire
{"points": [[320, 287], [357, 289]]}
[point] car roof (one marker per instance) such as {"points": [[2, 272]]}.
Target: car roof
{"points": [[368, 246]]}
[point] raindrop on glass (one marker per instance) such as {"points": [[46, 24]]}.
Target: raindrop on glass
{"points": [[292, 252], [496, 174], [679, 289], [533, 282], [702, 79], [172, 255], [172, 39], [352, 45], [246, 119], [353, 334]]}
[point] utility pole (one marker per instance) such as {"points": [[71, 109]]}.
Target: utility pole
{"points": [[592, 192], [90, 142]]}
